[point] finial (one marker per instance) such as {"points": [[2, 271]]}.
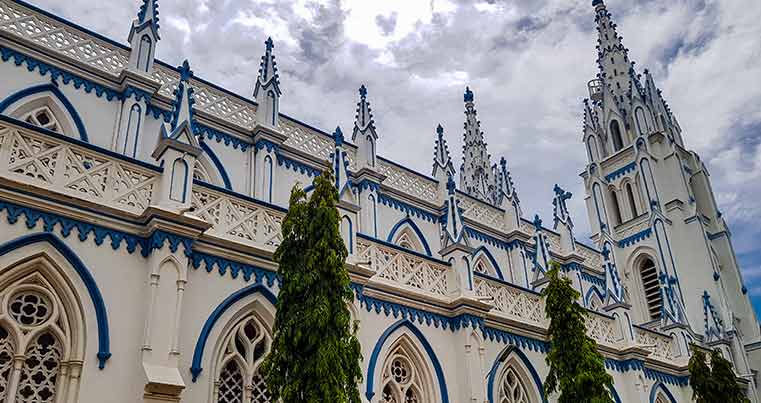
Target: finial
{"points": [[440, 130], [503, 162], [338, 136], [596, 3], [363, 91], [269, 44], [185, 72], [468, 97], [537, 222]]}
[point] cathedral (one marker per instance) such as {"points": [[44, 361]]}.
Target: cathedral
{"points": [[140, 206]]}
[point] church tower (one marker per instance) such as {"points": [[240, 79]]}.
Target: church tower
{"points": [[476, 176], [653, 212]]}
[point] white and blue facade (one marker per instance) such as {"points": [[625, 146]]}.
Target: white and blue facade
{"points": [[140, 206]]}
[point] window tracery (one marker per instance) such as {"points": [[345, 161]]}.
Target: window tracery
{"points": [[403, 381], [512, 388], [43, 117], [35, 329], [239, 379]]}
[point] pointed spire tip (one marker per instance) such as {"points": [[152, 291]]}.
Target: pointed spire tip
{"points": [[439, 130], [468, 97]]}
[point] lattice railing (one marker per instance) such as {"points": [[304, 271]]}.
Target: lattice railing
{"points": [[61, 38], [306, 140], [660, 345], [482, 213], [512, 302], [54, 164], [408, 182], [603, 329], [237, 219], [403, 269]]}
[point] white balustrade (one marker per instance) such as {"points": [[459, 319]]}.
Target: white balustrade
{"points": [[57, 165], [403, 269], [660, 345]]}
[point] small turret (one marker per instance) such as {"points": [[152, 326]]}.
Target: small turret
{"points": [[562, 220], [476, 169], [364, 135], [143, 37], [267, 90]]}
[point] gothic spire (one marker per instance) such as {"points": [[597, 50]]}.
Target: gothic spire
{"points": [[363, 120], [562, 219], [143, 35], [364, 135], [442, 162], [267, 90], [476, 169], [183, 116], [612, 56]]}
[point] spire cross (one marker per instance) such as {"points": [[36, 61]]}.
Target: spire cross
{"points": [[185, 72], [338, 136], [269, 44]]}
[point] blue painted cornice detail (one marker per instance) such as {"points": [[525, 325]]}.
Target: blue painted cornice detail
{"points": [[620, 172], [33, 64], [490, 240], [137, 93], [297, 166], [407, 208], [368, 184], [633, 239], [625, 365], [110, 94], [260, 275], [512, 339], [65, 225], [666, 378], [101, 314], [592, 279], [264, 143]]}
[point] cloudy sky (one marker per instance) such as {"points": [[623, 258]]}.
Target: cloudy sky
{"points": [[528, 62]]}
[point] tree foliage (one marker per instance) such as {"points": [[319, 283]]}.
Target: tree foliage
{"points": [[577, 369], [716, 383], [315, 353]]}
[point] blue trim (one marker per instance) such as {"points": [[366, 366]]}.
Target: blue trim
{"points": [[411, 224], [350, 247], [620, 171], [297, 166], [501, 358], [217, 163], [399, 248], [661, 386], [428, 349], [589, 294], [504, 282], [614, 394], [241, 196], [259, 274], [482, 249], [196, 368], [635, 238], [490, 240], [38, 89], [407, 208], [101, 315]]}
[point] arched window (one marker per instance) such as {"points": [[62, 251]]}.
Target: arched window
{"points": [[268, 179], [273, 103], [347, 234], [483, 265], [403, 379], [144, 54], [132, 133], [407, 239], [616, 207], [373, 215], [38, 324], [592, 149], [370, 151], [632, 200], [642, 124], [512, 389], [239, 379], [178, 186], [651, 287], [43, 117], [615, 134]]}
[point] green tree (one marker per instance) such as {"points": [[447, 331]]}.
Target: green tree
{"points": [[315, 353], [577, 369], [716, 383]]}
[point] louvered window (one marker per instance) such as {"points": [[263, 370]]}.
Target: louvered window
{"points": [[652, 288]]}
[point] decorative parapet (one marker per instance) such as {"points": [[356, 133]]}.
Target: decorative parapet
{"points": [[408, 182], [403, 269], [238, 219], [483, 213], [511, 302], [57, 164], [603, 329], [661, 347]]}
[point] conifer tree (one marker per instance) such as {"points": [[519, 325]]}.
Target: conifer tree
{"points": [[717, 383], [577, 369], [315, 353]]}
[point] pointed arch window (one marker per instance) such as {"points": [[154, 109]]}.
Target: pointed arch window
{"points": [[642, 123], [616, 207], [37, 326], [512, 389], [632, 200], [615, 134], [403, 381], [651, 287], [144, 54], [484, 266], [239, 379]]}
